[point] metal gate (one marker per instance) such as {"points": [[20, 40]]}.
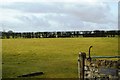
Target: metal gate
{"points": [[97, 68]]}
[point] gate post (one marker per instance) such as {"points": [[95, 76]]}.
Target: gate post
{"points": [[81, 64]]}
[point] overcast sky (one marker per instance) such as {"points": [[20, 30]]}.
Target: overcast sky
{"points": [[65, 15]]}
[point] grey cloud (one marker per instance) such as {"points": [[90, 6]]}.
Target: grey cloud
{"points": [[62, 21], [66, 19], [90, 13], [96, 14], [35, 7], [66, 16], [34, 21]]}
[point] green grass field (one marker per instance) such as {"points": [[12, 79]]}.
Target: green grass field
{"points": [[56, 57]]}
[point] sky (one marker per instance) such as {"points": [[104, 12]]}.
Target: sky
{"points": [[54, 15]]}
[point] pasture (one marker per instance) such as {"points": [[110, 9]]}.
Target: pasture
{"points": [[56, 57]]}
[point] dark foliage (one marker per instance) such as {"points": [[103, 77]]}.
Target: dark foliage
{"points": [[62, 34]]}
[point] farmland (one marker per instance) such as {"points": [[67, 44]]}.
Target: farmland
{"points": [[56, 57]]}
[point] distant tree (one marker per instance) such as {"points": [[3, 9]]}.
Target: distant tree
{"points": [[9, 34], [111, 33], [10, 31], [0, 34]]}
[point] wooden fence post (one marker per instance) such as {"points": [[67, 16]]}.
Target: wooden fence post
{"points": [[81, 64]]}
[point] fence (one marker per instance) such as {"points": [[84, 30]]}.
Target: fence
{"points": [[92, 68]]}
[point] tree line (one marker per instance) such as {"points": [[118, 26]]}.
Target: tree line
{"points": [[62, 34]]}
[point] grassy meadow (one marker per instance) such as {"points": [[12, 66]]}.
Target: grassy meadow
{"points": [[56, 57]]}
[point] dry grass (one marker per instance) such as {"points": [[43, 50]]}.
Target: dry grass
{"points": [[56, 57]]}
